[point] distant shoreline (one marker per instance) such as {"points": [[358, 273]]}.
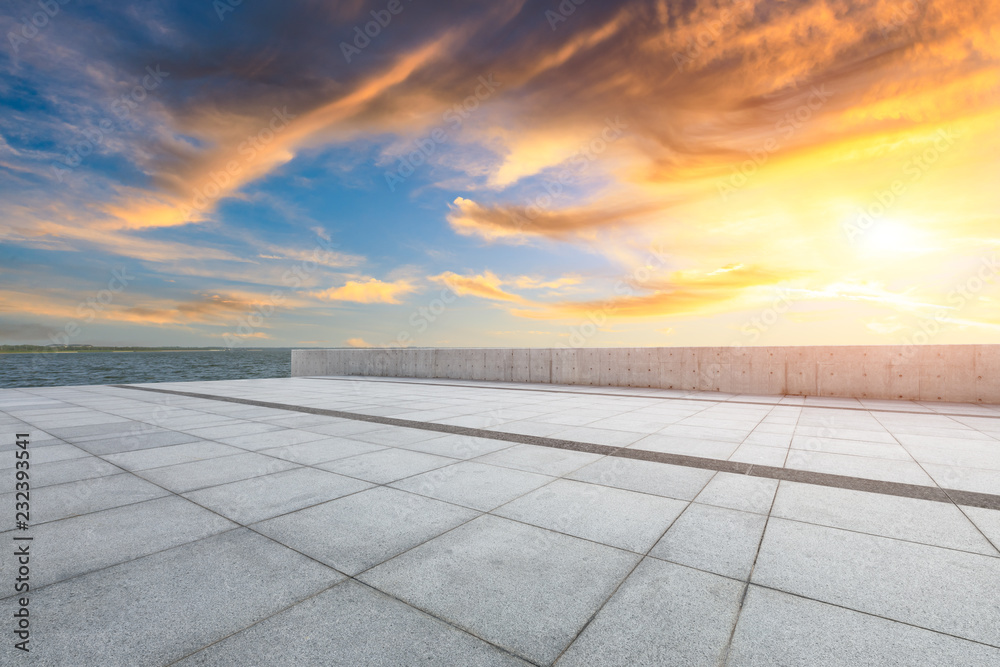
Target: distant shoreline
{"points": [[106, 351]]}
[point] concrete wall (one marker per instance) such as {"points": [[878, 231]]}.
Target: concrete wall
{"points": [[963, 373]]}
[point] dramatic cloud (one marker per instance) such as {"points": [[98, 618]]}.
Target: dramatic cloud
{"points": [[843, 152]]}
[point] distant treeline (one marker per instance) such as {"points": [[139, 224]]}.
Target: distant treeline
{"points": [[22, 349]]}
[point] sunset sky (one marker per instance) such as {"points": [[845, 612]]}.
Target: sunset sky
{"points": [[502, 173]]}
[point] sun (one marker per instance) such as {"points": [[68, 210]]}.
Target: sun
{"points": [[888, 237]]}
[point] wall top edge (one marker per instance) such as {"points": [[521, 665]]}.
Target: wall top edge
{"points": [[658, 347]]}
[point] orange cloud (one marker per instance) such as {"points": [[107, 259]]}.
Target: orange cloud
{"points": [[532, 282], [683, 293], [358, 342], [500, 221], [486, 285], [371, 290]]}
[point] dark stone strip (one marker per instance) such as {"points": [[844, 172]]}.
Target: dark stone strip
{"points": [[661, 398], [972, 498]]}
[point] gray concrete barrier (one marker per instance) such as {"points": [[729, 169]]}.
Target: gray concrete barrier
{"points": [[962, 373]]}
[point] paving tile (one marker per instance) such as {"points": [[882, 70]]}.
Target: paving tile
{"points": [[906, 472], [360, 531], [200, 420], [765, 456], [458, 446], [988, 521], [395, 436], [877, 434], [475, 421], [788, 631], [940, 524], [321, 451], [965, 479], [472, 484], [344, 427], [572, 418], [783, 429], [530, 427], [284, 437], [60, 472], [164, 456], [89, 542], [598, 436], [302, 420], [729, 422], [523, 588], [714, 539], [386, 465], [157, 609], [661, 479], [258, 498], [881, 450], [739, 492], [930, 587], [619, 518], [185, 477], [664, 614], [232, 430], [51, 503], [543, 460], [62, 419], [958, 452], [135, 440], [687, 446], [732, 435], [371, 629], [765, 439], [916, 434], [74, 433]]}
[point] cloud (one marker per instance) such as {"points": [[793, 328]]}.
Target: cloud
{"points": [[485, 285], [318, 255], [370, 290], [533, 282], [357, 342], [508, 222], [683, 293]]}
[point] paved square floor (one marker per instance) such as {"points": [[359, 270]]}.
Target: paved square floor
{"points": [[381, 521]]}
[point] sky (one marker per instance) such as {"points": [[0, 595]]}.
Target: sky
{"points": [[510, 173]]}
